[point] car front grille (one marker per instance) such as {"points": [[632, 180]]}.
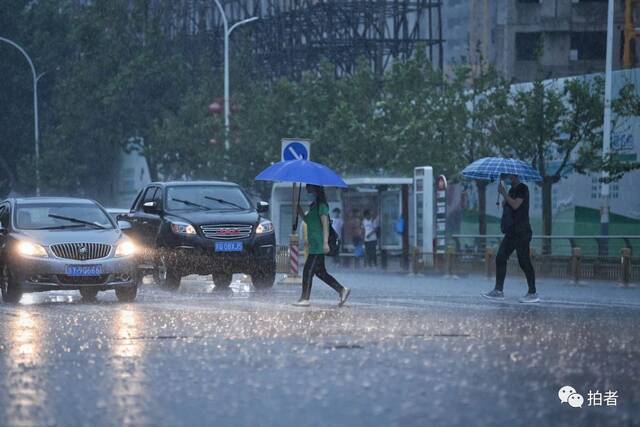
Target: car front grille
{"points": [[81, 251], [227, 231], [82, 280]]}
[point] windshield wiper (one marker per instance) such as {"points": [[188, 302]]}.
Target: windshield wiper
{"points": [[225, 202], [77, 221], [59, 227], [195, 205]]}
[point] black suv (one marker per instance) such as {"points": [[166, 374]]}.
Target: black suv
{"points": [[202, 227]]}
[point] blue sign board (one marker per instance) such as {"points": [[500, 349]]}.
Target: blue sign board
{"points": [[295, 150]]}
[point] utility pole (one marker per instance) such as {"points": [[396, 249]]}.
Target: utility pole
{"points": [[606, 128], [227, 105], [36, 77]]}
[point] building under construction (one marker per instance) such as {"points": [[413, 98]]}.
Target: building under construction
{"points": [[538, 39], [293, 36]]}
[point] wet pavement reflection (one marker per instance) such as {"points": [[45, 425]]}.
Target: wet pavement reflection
{"points": [[404, 351]]}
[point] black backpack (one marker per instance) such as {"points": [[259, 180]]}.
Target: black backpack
{"points": [[334, 241]]}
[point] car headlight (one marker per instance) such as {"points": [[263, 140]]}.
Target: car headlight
{"points": [[182, 228], [264, 227], [126, 248], [31, 249]]}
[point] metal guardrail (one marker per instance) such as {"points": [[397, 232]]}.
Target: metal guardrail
{"points": [[574, 268], [574, 241], [622, 267]]}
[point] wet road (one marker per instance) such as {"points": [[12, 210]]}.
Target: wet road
{"points": [[404, 351]]}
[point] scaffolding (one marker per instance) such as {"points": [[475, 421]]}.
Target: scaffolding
{"points": [[294, 36], [297, 38]]}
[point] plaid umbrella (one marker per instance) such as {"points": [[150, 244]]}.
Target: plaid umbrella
{"points": [[490, 168]]}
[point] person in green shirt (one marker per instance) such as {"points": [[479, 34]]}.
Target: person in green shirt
{"points": [[317, 220]]}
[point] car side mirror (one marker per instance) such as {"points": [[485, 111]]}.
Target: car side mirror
{"points": [[150, 207], [262, 207], [124, 225]]}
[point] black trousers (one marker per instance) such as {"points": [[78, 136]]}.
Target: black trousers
{"points": [[519, 243], [370, 252], [314, 266]]}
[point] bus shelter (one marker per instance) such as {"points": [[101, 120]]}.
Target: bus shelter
{"points": [[388, 199]]}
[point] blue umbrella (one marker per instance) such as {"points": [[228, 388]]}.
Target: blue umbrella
{"points": [[302, 171], [490, 168]]}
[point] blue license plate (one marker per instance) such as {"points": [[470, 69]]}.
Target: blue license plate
{"points": [[228, 247], [83, 270]]}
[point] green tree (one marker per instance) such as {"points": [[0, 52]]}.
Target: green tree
{"points": [[546, 126], [40, 28], [626, 105], [413, 111], [471, 97]]}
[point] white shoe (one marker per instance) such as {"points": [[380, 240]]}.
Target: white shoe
{"points": [[302, 303], [495, 295], [344, 295], [529, 299]]}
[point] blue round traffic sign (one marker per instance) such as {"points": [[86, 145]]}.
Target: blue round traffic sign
{"points": [[295, 151]]}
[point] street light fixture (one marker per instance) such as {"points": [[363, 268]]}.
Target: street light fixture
{"points": [[36, 77], [227, 33]]}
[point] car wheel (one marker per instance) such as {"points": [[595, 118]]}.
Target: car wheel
{"points": [[264, 279], [88, 294], [139, 277], [164, 275], [127, 294], [222, 280], [11, 290]]}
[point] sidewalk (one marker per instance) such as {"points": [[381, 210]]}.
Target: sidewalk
{"points": [[380, 283]]}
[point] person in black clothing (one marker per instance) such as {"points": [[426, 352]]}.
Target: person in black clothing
{"points": [[517, 236]]}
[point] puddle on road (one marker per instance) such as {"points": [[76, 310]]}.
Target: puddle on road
{"points": [[343, 346], [161, 337], [41, 298], [441, 335], [451, 335], [240, 286]]}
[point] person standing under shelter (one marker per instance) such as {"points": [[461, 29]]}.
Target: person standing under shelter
{"points": [[338, 224], [370, 239], [517, 235], [356, 231]]}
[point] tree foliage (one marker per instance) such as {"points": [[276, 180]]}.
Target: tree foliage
{"points": [[117, 80]]}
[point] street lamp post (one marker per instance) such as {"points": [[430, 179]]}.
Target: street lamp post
{"points": [[606, 128], [35, 109], [227, 33]]}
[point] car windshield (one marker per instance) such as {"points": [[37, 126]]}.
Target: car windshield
{"points": [[39, 216], [205, 197]]}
